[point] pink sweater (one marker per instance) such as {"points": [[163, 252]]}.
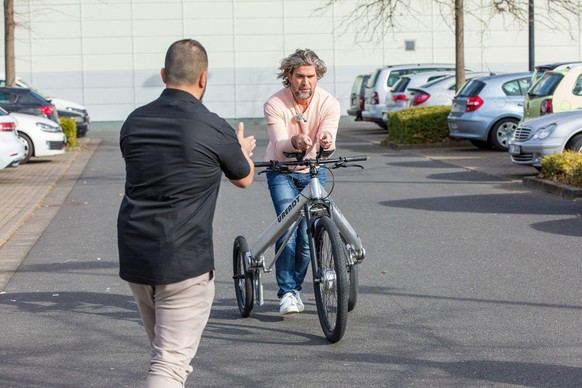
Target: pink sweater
{"points": [[281, 116]]}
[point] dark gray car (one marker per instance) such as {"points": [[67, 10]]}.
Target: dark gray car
{"points": [[26, 101]]}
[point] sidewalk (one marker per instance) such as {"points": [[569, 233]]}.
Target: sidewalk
{"points": [[37, 188]]}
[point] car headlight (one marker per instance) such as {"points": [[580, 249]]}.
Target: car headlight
{"points": [[544, 132], [48, 128]]}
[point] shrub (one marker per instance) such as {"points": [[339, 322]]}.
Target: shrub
{"points": [[419, 125], [70, 129], [565, 168]]}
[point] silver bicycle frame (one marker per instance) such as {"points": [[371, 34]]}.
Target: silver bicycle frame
{"points": [[290, 219]]}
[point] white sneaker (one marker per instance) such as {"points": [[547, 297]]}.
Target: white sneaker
{"points": [[288, 304], [300, 305]]}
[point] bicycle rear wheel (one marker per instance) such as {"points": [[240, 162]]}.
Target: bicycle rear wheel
{"points": [[330, 280], [353, 279], [353, 293], [243, 280]]}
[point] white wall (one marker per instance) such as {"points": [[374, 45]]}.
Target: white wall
{"points": [[107, 54]]}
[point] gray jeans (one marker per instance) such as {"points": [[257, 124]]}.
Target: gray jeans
{"points": [[174, 317]]}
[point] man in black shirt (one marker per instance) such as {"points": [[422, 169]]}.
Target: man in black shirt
{"points": [[175, 152]]}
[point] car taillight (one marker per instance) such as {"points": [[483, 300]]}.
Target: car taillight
{"points": [[473, 103], [419, 98], [398, 97], [47, 110], [546, 107], [375, 99], [7, 127], [360, 102]]}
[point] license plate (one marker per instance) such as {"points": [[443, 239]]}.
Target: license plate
{"points": [[456, 107], [514, 149]]}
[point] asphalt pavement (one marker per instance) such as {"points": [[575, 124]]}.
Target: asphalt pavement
{"points": [[41, 186], [464, 284]]}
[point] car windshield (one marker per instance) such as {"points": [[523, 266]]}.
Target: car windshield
{"points": [[401, 85], [372, 79], [357, 85], [437, 80], [546, 85], [26, 84], [471, 88]]}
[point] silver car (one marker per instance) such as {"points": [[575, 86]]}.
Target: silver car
{"points": [[487, 110], [439, 92], [382, 80], [398, 99], [546, 135]]}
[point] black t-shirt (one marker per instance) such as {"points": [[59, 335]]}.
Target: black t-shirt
{"points": [[175, 152]]}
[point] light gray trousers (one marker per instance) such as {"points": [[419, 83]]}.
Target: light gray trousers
{"points": [[174, 317]]}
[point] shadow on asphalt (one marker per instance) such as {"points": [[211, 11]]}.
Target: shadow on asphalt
{"points": [[506, 372], [511, 203]]}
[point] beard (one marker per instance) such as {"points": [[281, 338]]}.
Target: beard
{"points": [[303, 95]]}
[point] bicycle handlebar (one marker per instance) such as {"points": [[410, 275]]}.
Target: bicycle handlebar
{"points": [[342, 160]]}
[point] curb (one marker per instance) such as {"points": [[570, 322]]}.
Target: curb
{"points": [[555, 188]]}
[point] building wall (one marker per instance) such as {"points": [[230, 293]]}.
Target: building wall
{"points": [[107, 54]]}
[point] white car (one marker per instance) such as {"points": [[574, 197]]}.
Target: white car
{"points": [[11, 148], [40, 136]]}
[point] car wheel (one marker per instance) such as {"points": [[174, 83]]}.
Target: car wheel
{"points": [[28, 147], [575, 144], [501, 133], [481, 144]]}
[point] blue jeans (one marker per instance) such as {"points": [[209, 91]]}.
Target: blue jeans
{"points": [[292, 264]]}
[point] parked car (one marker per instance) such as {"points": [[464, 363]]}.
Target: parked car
{"points": [[65, 108], [357, 96], [439, 92], [26, 101], [382, 80], [398, 99], [487, 110], [546, 135], [558, 90], [540, 70], [11, 148], [40, 136]]}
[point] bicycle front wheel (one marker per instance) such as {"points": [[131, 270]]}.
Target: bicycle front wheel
{"points": [[330, 280], [243, 280]]}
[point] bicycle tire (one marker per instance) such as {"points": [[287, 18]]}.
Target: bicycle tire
{"points": [[353, 293], [353, 280], [243, 280], [330, 279]]}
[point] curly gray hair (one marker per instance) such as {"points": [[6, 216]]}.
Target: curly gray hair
{"points": [[300, 58]]}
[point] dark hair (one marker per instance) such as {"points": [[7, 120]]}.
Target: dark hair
{"points": [[185, 61], [300, 58]]}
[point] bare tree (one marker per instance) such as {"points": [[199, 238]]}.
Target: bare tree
{"points": [[373, 19], [9, 55]]}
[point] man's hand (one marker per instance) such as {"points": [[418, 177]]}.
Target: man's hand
{"points": [[325, 140], [301, 142], [247, 144]]}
